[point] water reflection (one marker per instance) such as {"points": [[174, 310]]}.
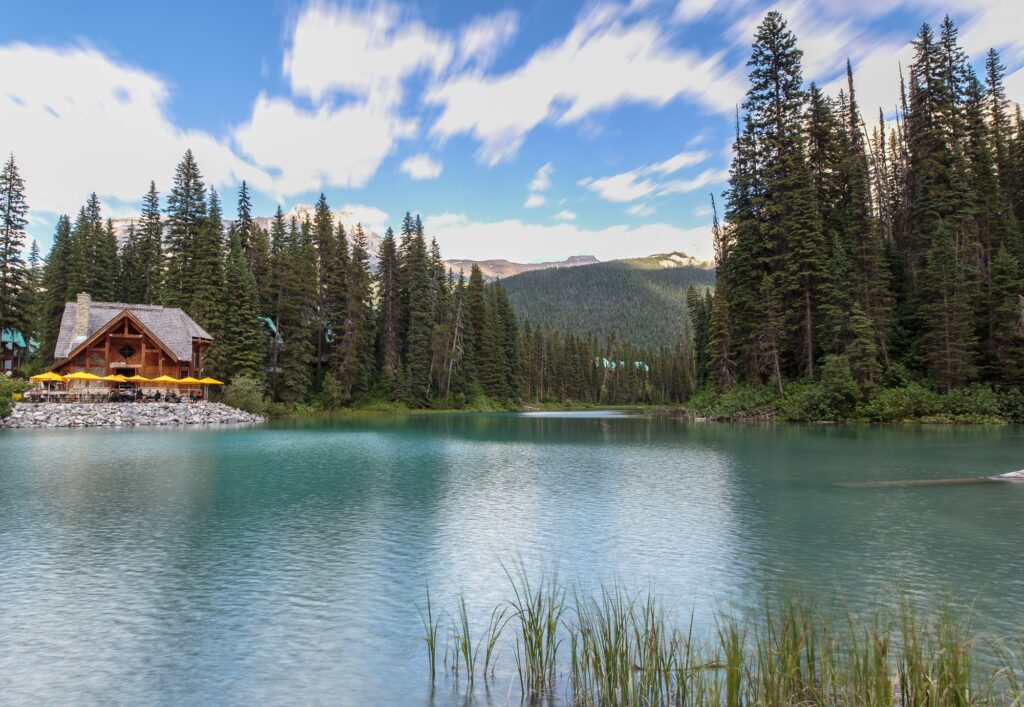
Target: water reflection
{"points": [[248, 565]]}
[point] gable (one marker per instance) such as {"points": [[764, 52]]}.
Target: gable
{"points": [[170, 325], [110, 327]]}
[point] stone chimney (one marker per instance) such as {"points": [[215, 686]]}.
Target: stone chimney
{"points": [[81, 331]]}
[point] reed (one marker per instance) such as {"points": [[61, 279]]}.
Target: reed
{"points": [[537, 610], [431, 628], [623, 650]]}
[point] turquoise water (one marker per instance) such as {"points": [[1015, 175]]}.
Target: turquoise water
{"points": [[285, 563]]}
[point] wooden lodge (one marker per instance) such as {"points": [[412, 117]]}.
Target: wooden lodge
{"points": [[105, 338]]}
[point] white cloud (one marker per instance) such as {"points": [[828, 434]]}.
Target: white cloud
{"points": [[341, 147], [642, 182], [640, 210], [1015, 86], [482, 40], [998, 25], [366, 52], [78, 121], [565, 215], [682, 186], [460, 237], [542, 179], [371, 218], [627, 186], [421, 166], [541, 182], [602, 63], [692, 10]]}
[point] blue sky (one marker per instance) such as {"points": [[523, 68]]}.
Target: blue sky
{"points": [[528, 131]]}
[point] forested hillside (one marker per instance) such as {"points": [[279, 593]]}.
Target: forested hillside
{"points": [[854, 260], [642, 300]]}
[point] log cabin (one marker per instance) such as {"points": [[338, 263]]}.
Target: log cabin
{"points": [[107, 338]]}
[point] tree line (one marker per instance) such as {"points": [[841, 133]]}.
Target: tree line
{"points": [[864, 251], [298, 307]]}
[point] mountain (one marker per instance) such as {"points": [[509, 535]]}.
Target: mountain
{"points": [[642, 300], [493, 269]]}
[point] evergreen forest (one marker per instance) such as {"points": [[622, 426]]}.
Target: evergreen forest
{"points": [[867, 267]]}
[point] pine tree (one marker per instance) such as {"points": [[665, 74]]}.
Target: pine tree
{"points": [[296, 312], [949, 340], [999, 119], [128, 280], [261, 266], [14, 313], [1005, 346], [355, 350], [389, 297], [791, 223], [245, 228], [108, 266], [241, 343], [323, 240], [208, 297], [55, 282], [34, 295], [862, 351], [149, 254], [419, 336], [476, 315], [186, 221], [861, 231]]}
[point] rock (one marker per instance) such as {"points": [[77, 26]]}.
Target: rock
{"points": [[49, 415]]}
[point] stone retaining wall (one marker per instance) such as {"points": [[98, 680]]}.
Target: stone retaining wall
{"points": [[29, 415]]}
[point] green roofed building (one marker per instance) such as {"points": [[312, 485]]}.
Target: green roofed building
{"points": [[14, 350]]}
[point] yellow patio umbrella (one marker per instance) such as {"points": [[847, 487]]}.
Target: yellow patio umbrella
{"points": [[165, 379], [210, 381], [113, 378], [189, 380], [82, 376], [137, 379], [48, 377]]}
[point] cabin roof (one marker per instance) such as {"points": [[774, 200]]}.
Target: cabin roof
{"points": [[171, 325]]}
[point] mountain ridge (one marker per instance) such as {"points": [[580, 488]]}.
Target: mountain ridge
{"points": [[642, 300]]}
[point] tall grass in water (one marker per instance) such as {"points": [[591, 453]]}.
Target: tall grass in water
{"points": [[622, 650], [537, 610], [431, 627]]}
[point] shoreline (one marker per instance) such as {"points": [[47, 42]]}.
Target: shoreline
{"points": [[118, 415], [81, 415]]}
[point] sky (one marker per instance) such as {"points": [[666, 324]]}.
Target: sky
{"points": [[529, 131]]}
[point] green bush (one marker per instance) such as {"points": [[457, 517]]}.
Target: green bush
{"points": [[1011, 405], [246, 393], [907, 402], [7, 391], [976, 400], [807, 401], [738, 401], [330, 392]]}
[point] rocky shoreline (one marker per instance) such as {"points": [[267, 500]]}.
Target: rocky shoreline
{"points": [[51, 415]]}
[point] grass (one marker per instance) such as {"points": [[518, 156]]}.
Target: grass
{"points": [[618, 648]]}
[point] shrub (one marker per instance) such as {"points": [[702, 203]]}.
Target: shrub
{"points": [[740, 400], [906, 402], [807, 401], [330, 392], [246, 393], [1011, 404], [7, 392], [974, 401]]}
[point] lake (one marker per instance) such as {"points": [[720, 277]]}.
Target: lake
{"points": [[286, 563]]}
